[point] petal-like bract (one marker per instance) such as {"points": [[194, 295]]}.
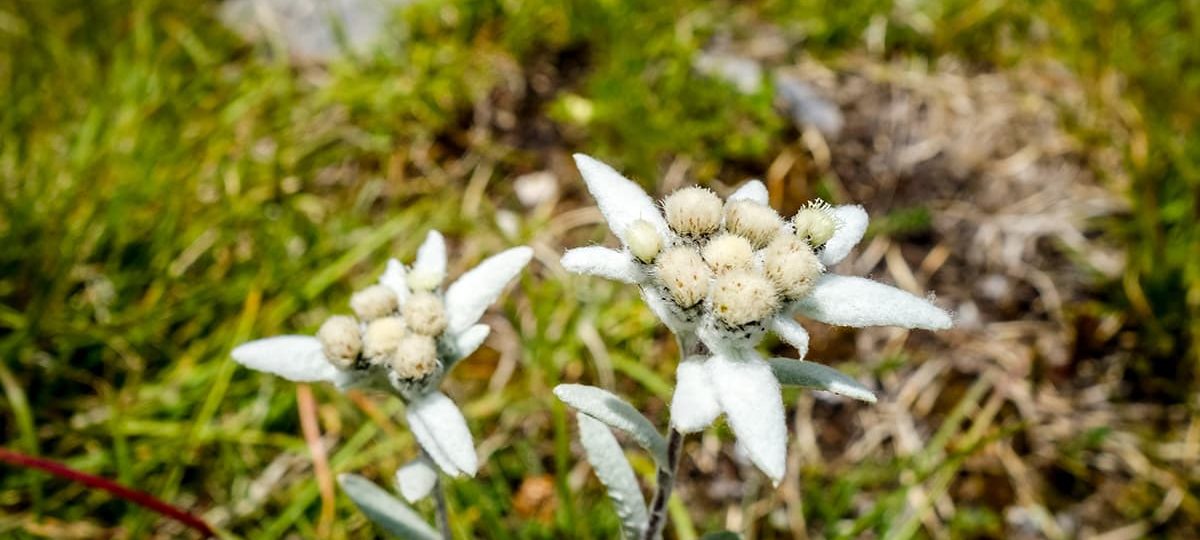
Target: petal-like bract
{"points": [[855, 301], [791, 333], [431, 259], [295, 358], [469, 296], [694, 406], [749, 395], [395, 277], [442, 431], [752, 190], [620, 199], [416, 479], [852, 225], [603, 262], [469, 341]]}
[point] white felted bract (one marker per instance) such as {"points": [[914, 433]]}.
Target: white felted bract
{"points": [[859, 302], [791, 372], [385, 510], [852, 224], [602, 262], [612, 468], [620, 199], [469, 341], [429, 270], [791, 333], [469, 296], [749, 395], [295, 358], [612, 410], [752, 190], [416, 479], [694, 405], [395, 277], [442, 431]]}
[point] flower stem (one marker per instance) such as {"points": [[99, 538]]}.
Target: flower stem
{"points": [[666, 482], [440, 508], [140, 498]]}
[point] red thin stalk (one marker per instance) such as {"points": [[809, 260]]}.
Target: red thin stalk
{"points": [[140, 498]]}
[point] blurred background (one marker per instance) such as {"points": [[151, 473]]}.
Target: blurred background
{"points": [[177, 177]]}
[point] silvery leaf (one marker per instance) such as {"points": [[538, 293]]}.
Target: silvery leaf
{"points": [[295, 358], [612, 410], [613, 470], [804, 374], [385, 510], [416, 479]]}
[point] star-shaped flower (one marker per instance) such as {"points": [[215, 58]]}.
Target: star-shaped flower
{"points": [[720, 274], [407, 336]]}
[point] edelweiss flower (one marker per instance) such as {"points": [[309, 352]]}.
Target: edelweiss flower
{"points": [[720, 274], [407, 336]]}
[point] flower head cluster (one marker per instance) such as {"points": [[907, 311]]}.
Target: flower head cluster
{"points": [[720, 274], [405, 335]]}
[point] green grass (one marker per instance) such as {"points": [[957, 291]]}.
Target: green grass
{"points": [[166, 193]]}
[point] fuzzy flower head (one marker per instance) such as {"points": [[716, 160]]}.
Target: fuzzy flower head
{"points": [[404, 336], [720, 274]]}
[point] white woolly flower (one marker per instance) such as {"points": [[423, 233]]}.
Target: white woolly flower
{"points": [[725, 286], [413, 336]]}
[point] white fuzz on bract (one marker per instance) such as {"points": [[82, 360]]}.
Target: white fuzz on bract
{"points": [[620, 199], [791, 333], [603, 262], [471, 294], [859, 302], [295, 358], [815, 222], [683, 272], [749, 395], [694, 405], [441, 429], [728, 252], [340, 340], [693, 211], [852, 224], [758, 223], [429, 270], [752, 190], [415, 357], [374, 302], [643, 240], [791, 265], [381, 338], [742, 297], [425, 314]]}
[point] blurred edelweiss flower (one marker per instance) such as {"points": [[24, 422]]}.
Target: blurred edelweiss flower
{"points": [[405, 337], [720, 274]]}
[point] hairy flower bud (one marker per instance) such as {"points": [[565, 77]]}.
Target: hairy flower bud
{"points": [[340, 340], [382, 337], [815, 222], [425, 314], [758, 223], [742, 297], [643, 240], [791, 265], [374, 302], [415, 357], [693, 211], [684, 274], [728, 252]]}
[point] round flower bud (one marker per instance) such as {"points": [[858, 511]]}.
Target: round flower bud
{"points": [[374, 302], [683, 273], [742, 297], [791, 265], [643, 240], [415, 357], [340, 340], [728, 252], [382, 337], [815, 222], [693, 211], [424, 280], [425, 314], [758, 223]]}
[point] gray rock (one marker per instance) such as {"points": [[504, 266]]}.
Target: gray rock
{"points": [[308, 30]]}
